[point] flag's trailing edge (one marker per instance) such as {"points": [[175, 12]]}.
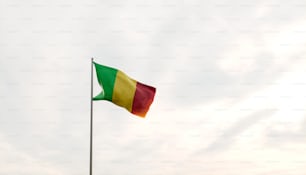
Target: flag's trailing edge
{"points": [[124, 91]]}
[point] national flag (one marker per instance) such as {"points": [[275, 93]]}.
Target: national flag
{"points": [[124, 91]]}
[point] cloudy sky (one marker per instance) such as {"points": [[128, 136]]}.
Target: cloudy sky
{"points": [[230, 79]]}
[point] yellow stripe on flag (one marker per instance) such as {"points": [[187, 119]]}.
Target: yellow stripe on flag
{"points": [[124, 91]]}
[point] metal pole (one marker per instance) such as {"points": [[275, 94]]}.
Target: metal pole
{"points": [[91, 94]]}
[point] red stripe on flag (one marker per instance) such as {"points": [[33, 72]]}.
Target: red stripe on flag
{"points": [[144, 96]]}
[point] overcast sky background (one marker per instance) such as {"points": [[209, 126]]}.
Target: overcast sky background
{"points": [[230, 79]]}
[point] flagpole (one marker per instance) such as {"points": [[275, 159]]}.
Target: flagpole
{"points": [[91, 104]]}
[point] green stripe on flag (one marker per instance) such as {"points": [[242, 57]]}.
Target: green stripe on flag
{"points": [[106, 78]]}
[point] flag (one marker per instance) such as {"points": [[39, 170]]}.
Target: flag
{"points": [[124, 91]]}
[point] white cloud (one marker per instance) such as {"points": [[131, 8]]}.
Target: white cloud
{"points": [[14, 161]]}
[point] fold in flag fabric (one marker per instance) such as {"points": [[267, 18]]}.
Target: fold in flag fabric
{"points": [[124, 91]]}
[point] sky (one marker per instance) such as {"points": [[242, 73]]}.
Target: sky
{"points": [[230, 80]]}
